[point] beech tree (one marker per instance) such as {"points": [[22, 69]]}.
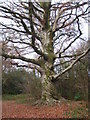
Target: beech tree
{"points": [[48, 30]]}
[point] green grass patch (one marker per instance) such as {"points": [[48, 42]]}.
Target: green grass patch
{"points": [[21, 98], [14, 97], [79, 112], [9, 97]]}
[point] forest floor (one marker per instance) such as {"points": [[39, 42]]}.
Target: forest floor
{"points": [[69, 109]]}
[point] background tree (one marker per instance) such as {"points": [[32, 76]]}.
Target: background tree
{"points": [[46, 30], [12, 82]]}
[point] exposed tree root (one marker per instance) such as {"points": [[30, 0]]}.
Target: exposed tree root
{"points": [[50, 101]]}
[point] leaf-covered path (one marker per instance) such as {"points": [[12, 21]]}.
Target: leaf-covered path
{"points": [[11, 109]]}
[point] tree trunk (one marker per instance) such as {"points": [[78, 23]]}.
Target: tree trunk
{"points": [[49, 91], [48, 87]]}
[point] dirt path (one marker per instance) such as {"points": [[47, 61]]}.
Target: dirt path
{"points": [[11, 109]]}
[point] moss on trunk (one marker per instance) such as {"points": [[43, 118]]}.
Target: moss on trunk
{"points": [[49, 91]]}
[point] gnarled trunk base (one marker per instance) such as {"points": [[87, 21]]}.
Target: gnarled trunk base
{"points": [[49, 92]]}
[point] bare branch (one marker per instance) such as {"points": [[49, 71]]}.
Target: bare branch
{"points": [[72, 64], [80, 33], [65, 8], [20, 57], [29, 66]]}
